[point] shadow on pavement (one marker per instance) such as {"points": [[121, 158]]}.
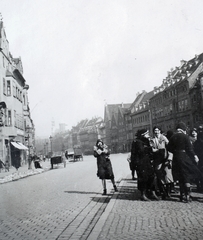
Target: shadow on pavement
{"points": [[102, 199], [78, 192]]}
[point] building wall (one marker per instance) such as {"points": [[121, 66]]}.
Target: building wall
{"points": [[12, 92]]}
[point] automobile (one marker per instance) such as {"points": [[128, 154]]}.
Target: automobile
{"points": [[57, 158]]}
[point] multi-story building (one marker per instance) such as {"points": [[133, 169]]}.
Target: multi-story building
{"points": [[122, 133], [90, 132], [179, 97], [140, 113], [18, 128], [112, 126], [137, 116]]}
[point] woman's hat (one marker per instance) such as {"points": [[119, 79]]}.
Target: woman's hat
{"points": [[143, 132], [182, 126], [99, 141]]}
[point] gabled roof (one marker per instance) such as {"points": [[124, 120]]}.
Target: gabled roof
{"points": [[138, 99], [110, 109], [147, 96], [115, 117], [188, 70], [123, 110]]}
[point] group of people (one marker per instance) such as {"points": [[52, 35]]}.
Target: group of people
{"points": [[161, 160]]}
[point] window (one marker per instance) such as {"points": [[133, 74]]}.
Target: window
{"points": [[4, 86], [8, 88], [9, 118], [15, 122], [24, 102]]}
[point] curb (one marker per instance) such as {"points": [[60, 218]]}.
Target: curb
{"points": [[19, 175], [99, 225]]}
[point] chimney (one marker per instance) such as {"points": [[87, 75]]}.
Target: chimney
{"points": [[182, 62]]}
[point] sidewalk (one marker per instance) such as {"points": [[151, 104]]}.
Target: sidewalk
{"points": [[23, 172], [127, 217]]}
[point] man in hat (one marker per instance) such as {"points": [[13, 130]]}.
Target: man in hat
{"points": [[184, 167]]}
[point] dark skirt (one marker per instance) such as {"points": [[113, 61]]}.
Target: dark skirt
{"points": [[104, 168], [184, 169], [145, 174]]}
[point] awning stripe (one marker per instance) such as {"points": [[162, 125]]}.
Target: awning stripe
{"points": [[19, 145], [23, 146]]}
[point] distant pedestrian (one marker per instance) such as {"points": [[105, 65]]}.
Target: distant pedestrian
{"points": [[104, 167], [131, 166], [37, 161], [133, 158], [141, 155], [184, 166]]}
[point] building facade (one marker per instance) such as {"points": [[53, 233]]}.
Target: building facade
{"points": [[17, 130], [179, 97]]}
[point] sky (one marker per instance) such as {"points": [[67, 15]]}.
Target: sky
{"points": [[79, 55]]}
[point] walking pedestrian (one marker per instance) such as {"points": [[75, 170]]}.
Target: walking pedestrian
{"points": [[141, 155], [131, 165], [161, 163], [184, 166], [104, 167]]}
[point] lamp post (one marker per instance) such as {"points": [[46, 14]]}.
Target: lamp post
{"points": [[29, 131], [50, 138]]}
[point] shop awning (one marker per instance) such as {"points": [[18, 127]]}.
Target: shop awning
{"points": [[19, 145], [23, 146]]}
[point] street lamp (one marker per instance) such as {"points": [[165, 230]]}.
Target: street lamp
{"points": [[50, 138], [47, 148], [29, 130]]}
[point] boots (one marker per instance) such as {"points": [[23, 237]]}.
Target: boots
{"points": [[181, 196], [154, 196], [115, 188], [166, 192], [104, 192], [144, 197], [188, 194], [181, 192]]}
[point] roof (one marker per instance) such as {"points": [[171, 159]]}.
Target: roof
{"points": [[138, 99], [110, 109], [188, 70]]}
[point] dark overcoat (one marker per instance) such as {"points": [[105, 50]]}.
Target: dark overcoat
{"points": [[141, 157], [184, 167], [104, 167]]}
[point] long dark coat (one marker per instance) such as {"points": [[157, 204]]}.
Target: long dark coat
{"points": [[184, 167], [104, 167], [141, 157], [198, 148]]}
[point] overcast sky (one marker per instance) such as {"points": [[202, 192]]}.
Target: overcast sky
{"points": [[78, 55]]}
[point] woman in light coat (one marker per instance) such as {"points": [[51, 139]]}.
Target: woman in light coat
{"points": [[161, 162]]}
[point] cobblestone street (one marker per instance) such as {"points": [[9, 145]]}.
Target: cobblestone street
{"points": [[130, 218], [75, 209]]}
